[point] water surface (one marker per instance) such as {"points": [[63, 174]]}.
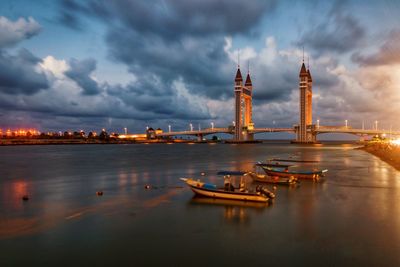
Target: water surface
{"points": [[350, 219]]}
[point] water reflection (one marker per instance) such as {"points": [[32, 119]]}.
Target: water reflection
{"points": [[234, 211]]}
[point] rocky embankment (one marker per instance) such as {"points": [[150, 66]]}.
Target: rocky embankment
{"points": [[385, 151]]}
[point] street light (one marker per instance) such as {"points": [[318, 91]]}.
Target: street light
{"points": [[376, 125], [169, 128], [317, 124], [212, 125], [233, 122], [199, 127], [191, 127], [126, 130], [345, 122]]}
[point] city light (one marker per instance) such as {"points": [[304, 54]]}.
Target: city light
{"points": [[395, 142]]}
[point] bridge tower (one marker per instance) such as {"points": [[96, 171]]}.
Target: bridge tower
{"points": [[243, 107], [305, 128]]}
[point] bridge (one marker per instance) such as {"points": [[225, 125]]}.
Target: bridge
{"points": [[200, 134], [243, 128]]}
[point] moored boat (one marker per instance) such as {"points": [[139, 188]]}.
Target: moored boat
{"points": [[228, 192], [313, 175], [275, 180]]}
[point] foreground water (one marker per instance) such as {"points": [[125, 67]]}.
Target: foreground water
{"points": [[351, 219]]}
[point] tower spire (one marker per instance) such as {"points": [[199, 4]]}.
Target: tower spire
{"points": [[303, 53]]}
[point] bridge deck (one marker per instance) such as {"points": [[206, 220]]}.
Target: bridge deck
{"points": [[318, 130]]}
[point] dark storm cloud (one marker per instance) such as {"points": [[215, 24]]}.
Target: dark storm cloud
{"points": [[340, 32], [197, 61], [175, 39], [80, 71], [176, 18], [388, 53], [18, 74]]}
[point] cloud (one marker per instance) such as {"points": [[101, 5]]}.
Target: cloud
{"points": [[12, 33], [19, 73], [177, 18], [340, 32], [175, 39], [80, 71], [388, 53]]}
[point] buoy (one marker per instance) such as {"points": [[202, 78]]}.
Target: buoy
{"points": [[147, 186], [99, 193], [202, 173], [25, 197]]}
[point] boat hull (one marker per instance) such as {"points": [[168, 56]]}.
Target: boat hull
{"points": [[288, 174], [198, 189], [270, 180]]}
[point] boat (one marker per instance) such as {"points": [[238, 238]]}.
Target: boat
{"points": [[314, 175], [228, 191], [275, 180]]}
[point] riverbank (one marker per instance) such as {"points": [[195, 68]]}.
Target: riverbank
{"points": [[385, 151]]}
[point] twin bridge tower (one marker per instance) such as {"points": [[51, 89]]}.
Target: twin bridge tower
{"points": [[243, 124]]}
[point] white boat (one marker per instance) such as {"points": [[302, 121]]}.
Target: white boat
{"points": [[211, 190]]}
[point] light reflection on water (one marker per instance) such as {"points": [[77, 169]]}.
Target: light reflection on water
{"points": [[334, 222]]}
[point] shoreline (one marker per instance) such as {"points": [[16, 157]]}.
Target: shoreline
{"points": [[385, 152], [61, 141]]}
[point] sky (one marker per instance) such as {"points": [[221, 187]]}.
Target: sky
{"points": [[69, 64]]}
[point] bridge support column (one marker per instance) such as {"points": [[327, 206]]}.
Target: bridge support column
{"points": [[310, 135], [248, 136], [199, 137]]}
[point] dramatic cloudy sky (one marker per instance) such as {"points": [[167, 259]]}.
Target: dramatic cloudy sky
{"points": [[69, 64]]}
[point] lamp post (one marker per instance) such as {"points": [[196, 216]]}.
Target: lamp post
{"points": [[212, 125], [126, 130], [363, 124], [376, 125], [345, 123], [317, 124], [199, 127], [169, 128], [233, 122], [191, 127]]}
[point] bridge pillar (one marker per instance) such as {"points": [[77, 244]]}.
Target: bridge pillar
{"points": [[199, 137], [310, 135], [247, 136]]}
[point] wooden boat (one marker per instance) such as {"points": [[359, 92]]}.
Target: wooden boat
{"points": [[275, 180], [314, 175], [211, 190]]}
